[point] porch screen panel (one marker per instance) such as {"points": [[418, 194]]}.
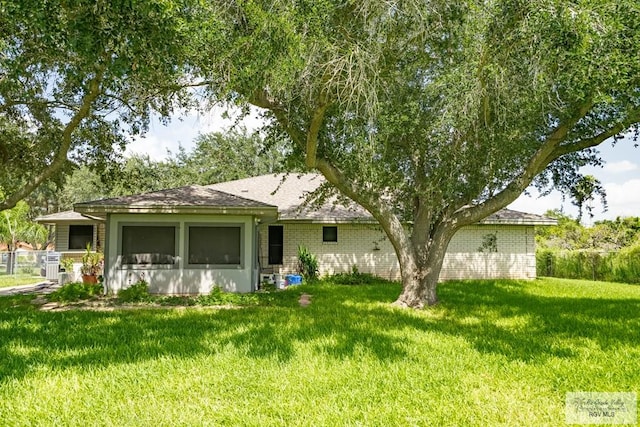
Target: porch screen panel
{"points": [[215, 245], [143, 244]]}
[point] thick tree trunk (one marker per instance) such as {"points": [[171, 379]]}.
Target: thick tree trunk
{"points": [[419, 287], [421, 268]]}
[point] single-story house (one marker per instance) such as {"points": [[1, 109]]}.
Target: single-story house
{"points": [[187, 240]]}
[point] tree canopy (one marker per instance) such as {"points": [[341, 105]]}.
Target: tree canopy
{"points": [[430, 114], [434, 114], [216, 157], [77, 77]]}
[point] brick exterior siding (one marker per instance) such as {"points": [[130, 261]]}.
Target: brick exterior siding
{"points": [[367, 248]]}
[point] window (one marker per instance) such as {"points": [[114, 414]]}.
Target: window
{"points": [[215, 245], [276, 243], [330, 234], [80, 236], [148, 244]]}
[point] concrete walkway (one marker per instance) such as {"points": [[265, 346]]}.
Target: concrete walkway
{"points": [[35, 289]]}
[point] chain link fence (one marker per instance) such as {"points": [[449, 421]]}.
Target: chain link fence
{"points": [[26, 263]]}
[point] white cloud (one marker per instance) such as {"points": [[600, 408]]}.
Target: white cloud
{"points": [[623, 199], [539, 205], [620, 167]]}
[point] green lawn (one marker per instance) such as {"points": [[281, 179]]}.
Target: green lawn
{"points": [[492, 353], [19, 279]]}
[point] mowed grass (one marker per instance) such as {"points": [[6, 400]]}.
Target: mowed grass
{"points": [[491, 353], [7, 281]]}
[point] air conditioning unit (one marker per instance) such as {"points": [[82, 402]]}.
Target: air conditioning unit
{"points": [[52, 265]]}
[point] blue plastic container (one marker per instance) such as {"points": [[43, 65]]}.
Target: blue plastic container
{"points": [[293, 279]]}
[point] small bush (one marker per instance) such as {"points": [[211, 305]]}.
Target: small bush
{"points": [[307, 264], [72, 292], [137, 292], [354, 278]]}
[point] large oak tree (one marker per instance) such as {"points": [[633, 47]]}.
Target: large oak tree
{"points": [[432, 114]]}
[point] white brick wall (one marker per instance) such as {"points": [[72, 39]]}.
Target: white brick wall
{"points": [[357, 245]]}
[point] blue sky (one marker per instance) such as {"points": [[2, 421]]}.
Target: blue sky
{"points": [[620, 174]]}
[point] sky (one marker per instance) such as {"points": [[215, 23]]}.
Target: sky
{"points": [[620, 174]]}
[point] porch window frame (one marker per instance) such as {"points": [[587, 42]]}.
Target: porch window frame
{"points": [[187, 251], [92, 241], [163, 266]]}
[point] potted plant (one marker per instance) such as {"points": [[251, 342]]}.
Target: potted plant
{"points": [[91, 265]]}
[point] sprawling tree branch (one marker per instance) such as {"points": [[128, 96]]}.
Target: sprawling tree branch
{"points": [[261, 99], [583, 144], [60, 158], [312, 134], [536, 164]]}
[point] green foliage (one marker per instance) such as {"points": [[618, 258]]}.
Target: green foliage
{"points": [[27, 270], [489, 243], [605, 235], [78, 78], [236, 154], [437, 113], [67, 264], [138, 292], [81, 185], [620, 266], [267, 286], [354, 277], [608, 250], [218, 296], [73, 292], [307, 264], [16, 226], [91, 262]]}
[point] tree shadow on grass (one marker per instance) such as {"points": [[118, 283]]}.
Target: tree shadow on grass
{"points": [[502, 317], [31, 339], [341, 322]]}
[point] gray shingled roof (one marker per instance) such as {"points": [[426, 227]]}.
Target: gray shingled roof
{"points": [[288, 192], [68, 216], [260, 195], [190, 198], [508, 216]]}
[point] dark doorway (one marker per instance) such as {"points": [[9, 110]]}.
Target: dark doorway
{"points": [[276, 243]]}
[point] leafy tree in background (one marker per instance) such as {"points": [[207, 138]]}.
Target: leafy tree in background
{"points": [[434, 114], [77, 77], [219, 157], [216, 157], [16, 227], [604, 236]]}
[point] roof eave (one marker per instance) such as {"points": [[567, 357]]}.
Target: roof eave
{"points": [[518, 222], [99, 210]]}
